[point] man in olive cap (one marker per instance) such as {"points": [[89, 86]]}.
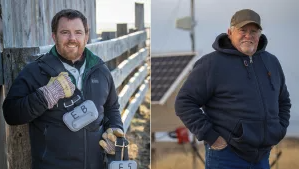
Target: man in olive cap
{"points": [[236, 99]]}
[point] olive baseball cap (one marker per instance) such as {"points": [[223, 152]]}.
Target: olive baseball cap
{"points": [[244, 17]]}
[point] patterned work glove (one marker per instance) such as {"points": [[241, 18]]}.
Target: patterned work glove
{"points": [[109, 137], [57, 88]]}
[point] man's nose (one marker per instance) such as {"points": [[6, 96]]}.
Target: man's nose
{"points": [[248, 34], [72, 36]]}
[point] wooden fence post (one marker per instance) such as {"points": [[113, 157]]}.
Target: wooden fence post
{"points": [[3, 148], [107, 36], [17, 137], [135, 48], [139, 19], [121, 30], [91, 17], [139, 16], [3, 145], [139, 25]]}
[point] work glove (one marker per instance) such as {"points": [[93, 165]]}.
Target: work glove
{"points": [[109, 137], [57, 88]]}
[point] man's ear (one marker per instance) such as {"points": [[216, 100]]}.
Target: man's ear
{"points": [[229, 33], [54, 37], [87, 36]]}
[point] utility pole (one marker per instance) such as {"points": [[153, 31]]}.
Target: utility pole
{"points": [[192, 36], [188, 23], [192, 33]]}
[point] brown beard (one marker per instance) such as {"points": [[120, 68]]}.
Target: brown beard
{"points": [[67, 55]]}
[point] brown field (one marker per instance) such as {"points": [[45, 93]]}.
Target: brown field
{"points": [[174, 156], [139, 135]]}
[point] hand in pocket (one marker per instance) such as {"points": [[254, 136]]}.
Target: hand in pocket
{"points": [[219, 144]]}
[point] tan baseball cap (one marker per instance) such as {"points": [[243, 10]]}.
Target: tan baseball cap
{"points": [[244, 17]]}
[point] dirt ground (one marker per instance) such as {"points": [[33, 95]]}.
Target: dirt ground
{"points": [[181, 157], [139, 135]]}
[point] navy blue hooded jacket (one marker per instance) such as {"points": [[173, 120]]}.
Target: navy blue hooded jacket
{"points": [[246, 103], [53, 145]]}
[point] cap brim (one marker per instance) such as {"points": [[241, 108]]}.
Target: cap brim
{"points": [[240, 25]]}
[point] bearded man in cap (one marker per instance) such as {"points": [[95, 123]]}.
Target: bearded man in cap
{"points": [[236, 99]]}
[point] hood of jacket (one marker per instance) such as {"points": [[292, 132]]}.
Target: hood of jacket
{"points": [[223, 44]]}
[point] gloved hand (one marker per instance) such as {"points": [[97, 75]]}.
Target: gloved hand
{"points": [[109, 137], [57, 88]]}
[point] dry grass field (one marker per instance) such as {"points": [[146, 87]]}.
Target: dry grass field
{"points": [[139, 135]]}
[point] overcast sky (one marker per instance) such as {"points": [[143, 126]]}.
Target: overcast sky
{"points": [[213, 17], [280, 22], [110, 12]]}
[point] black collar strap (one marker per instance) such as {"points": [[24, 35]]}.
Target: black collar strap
{"points": [[53, 63]]}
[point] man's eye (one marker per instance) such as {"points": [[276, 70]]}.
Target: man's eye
{"points": [[64, 32]]}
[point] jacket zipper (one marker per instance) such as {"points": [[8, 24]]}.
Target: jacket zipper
{"points": [[85, 148], [250, 57], [265, 117], [84, 80]]}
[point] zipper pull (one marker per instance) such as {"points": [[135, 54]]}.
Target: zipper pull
{"points": [[250, 57]]}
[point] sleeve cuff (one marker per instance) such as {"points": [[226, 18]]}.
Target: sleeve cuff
{"points": [[211, 136], [40, 95]]}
